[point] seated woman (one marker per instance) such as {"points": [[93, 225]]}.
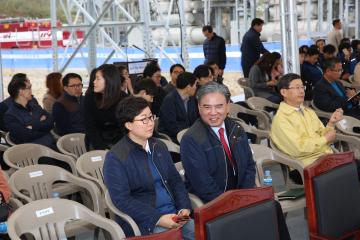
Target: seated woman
{"points": [[54, 90], [100, 102], [141, 177], [263, 77]]}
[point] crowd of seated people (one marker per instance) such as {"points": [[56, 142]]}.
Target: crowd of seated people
{"points": [[119, 115]]}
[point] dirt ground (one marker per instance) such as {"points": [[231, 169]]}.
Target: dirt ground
{"points": [[38, 76]]}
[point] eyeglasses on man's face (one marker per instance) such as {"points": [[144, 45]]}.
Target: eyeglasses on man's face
{"points": [[298, 88], [146, 120], [28, 86], [80, 85]]}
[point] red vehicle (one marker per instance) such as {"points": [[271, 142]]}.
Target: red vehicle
{"points": [[25, 33]]}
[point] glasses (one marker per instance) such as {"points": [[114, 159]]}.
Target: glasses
{"points": [[146, 120], [28, 87], [76, 86], [336, 70], [298, 88]]}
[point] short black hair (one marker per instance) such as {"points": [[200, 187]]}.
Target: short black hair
{"points": [[202, 71], [319, 40], [335, 21], [176, 65], [329, 49], [146, 84], [303, 49], [150, 70], [207, 28], [67, 77], [344, 45], [285, 80], [17, 83], [184, 79], [330, 63], [128, 109], [257, 21], [211, 62], [313, 51], [354, 44]]}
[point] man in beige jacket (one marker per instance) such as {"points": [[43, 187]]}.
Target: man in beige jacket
{"points": [[335, 36]]}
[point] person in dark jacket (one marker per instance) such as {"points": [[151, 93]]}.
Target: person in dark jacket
{"points": [[251, 46], [141, 178], [214, 48], [178, 110], [68, 110], [215, 152], [101, 130], [175, 70], [329, 94], [311, 72], [25, 120], [153, 72]]}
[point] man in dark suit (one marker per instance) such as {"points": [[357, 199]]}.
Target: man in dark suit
{"points": [[215, 152], [251, 46], [329, 94], [178, 110]]}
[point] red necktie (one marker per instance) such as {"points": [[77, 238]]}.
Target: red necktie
{"points": [[225, 146]]}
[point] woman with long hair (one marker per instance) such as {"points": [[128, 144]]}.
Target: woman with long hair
{"points": [[99, 108], [54, 90], [263, 76]]}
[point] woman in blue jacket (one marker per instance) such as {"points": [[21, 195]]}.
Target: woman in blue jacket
{"points": [[141, 177]]}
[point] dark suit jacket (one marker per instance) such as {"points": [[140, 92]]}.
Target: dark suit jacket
{"points": [[326, 98], [173, 117]]}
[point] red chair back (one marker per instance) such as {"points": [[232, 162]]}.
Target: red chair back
{"points": [[325, 165], [228, 202]]}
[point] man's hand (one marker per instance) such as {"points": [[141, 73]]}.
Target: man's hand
{"points": [[330, 136], [350, 92], [335, 117], [42, 118], [167, 222], [184, 212]]}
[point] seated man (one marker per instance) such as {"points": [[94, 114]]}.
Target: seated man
{"points": [[26, 121], [215, 70], [175, 70], [206, 159], [311, 72], [329, 94], [141, 177], [329, 51], [67, 110], [145, 88], [178, 110], [296, 130], [215, 152]]}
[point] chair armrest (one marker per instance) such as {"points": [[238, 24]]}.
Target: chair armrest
{"points": [[195, 201], [120, 214]]}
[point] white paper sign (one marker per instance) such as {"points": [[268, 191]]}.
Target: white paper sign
{"points": [[36, 174], [96, 159], [44, 212]]}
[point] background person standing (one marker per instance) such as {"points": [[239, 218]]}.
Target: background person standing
{"points": [[251, 46], [214, 48]]}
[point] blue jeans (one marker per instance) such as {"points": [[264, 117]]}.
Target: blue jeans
{"points": [[188, 230]]}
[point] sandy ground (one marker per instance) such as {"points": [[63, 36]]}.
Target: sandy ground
{"points": [[38, 76]]}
